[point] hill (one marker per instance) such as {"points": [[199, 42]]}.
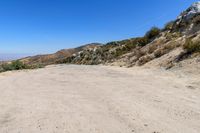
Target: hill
{"points": [[56, 57], [175, 45], [177, 42]]}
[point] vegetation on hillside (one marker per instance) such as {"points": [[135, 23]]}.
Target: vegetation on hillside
{"points": [[112, 50], [136, 51], [191, 47], [169, 26], [17, 65], [153, 33]]}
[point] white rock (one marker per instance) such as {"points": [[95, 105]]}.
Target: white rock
{"points": [[191, 11]]}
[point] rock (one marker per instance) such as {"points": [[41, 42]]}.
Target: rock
{"points": [[190, 12]]}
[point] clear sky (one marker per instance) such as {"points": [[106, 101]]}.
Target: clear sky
{"points": [[45, 26]]}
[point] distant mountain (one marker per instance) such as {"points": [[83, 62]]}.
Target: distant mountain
{"points": [[8, 57], [58, 56]]}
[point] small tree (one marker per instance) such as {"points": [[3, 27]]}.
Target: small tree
{"points": [[152, 33], [142, 41]]}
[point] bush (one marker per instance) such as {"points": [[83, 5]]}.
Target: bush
{"points": [[191, 47], [159, 52], [153, 33], [142, 41], [143, 60], [169, 25], [170, 36], [152, 48], [17, 65]]}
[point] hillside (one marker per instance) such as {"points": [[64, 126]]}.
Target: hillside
{"points": [[177, 44], [167, 47], [146, 84], [56, 57]]}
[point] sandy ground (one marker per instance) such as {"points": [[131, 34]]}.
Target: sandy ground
{"points": [[98, 99]]}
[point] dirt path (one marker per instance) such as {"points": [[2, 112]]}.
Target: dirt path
{"points": [[98, 99]]}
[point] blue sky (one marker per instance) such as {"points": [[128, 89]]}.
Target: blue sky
{"points": [[45, 26]]}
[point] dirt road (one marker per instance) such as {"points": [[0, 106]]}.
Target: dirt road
{"points": [[98, 99]]}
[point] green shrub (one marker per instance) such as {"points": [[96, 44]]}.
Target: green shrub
{"points": [[15, 65], [191, 47], [1, 68], [6, 67], [152, 33], [18, 65], [142, 41]]}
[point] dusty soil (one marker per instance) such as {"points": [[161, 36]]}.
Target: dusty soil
{"points": [[98, 99]]}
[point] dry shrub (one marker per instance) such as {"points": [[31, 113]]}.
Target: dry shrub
{"points": [[152, 48], [170, 36], [143, 60], [170, 46], [166, 49], [191, 47], [159, 52], [139, 53], [169, 25]]}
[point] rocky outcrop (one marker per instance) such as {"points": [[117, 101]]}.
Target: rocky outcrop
{"points": [[191, 11]]}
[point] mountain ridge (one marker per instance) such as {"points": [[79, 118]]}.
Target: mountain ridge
{"points": [[49, 59]]}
